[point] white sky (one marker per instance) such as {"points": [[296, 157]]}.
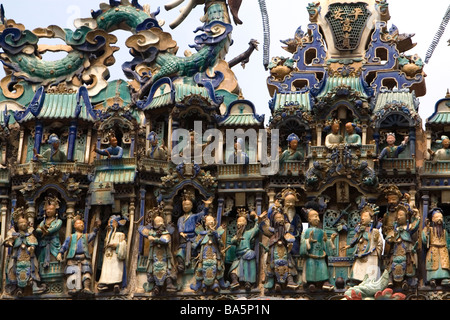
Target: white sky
{"points": [[413, 16]]}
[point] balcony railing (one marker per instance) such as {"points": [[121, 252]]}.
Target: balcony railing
{"points": [[321, 152], [292, 168], [123, 162], [400, 165], [239, 170], [148, 164], [65, 167], [436, 168]]}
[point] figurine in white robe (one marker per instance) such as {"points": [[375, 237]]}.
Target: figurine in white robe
{"points": [[114, 256]]}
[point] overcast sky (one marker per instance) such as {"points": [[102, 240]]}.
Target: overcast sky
{"points": [[285, 16]]}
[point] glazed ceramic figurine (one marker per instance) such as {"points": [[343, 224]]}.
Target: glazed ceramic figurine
{"points": [[210, 262], [161, 270], [334, 139], [114, 256], [113, 151], [352, 139], [155, 151], [394, 197], [280, 268], [368, 245], [291, 154], [243, 269], [403, 257], [48, 233], [22, 267], [434, 239], [186, 228], [239, 156], [78, 268], [314, 248], [392, 151], [54, 154], [442, 154]]}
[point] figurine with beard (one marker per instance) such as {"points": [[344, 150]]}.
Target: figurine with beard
{"points": [[434, 239]]}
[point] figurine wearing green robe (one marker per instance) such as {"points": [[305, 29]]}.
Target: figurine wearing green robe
{"points": [[291, 154], [54, 154], [314, 248], [48, 235], [243, 268], [352, 139]]}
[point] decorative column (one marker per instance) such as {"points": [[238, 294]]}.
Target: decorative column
{"points": [[412, 137], [70, 213], [72, 139], [364, 134], [141, 214], [169, 138], [132, 147], [87, 155], [425, 209], [220, 202], [3, 212], [319, 130], [98, 209], [131, 209], [39, 128], [19, 152]]}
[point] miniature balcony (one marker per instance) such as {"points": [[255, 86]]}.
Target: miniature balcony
{"points": [[322, 152], [154, 166], [229, 171], [398, 166], [4, 176], [436, 168], [293, 168], [123, 162], [64, 167]]}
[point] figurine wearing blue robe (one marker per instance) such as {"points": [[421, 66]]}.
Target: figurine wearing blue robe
{"points": [[113, 151], [186, 228], [78, 268], [392, 151], [155, 151]]}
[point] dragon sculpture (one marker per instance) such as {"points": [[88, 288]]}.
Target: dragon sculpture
{"points": [[90, 48]]}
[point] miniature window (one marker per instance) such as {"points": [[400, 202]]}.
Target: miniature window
{"points": [[382, 54], [298, 85], [390, 83], [310, 55]]}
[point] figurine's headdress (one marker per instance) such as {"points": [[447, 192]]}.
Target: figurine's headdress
{"points": [[241, 212], [52, 200], [372, 209], [152, 136], [392, 190], [434, 210], [390, 134], [292, 137], [187, 195], [288, 191], [121, 221], [53, 138], [19, 213]]}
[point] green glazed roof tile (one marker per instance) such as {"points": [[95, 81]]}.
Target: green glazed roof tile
{"points": [[60, 106], [294, 99]]}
